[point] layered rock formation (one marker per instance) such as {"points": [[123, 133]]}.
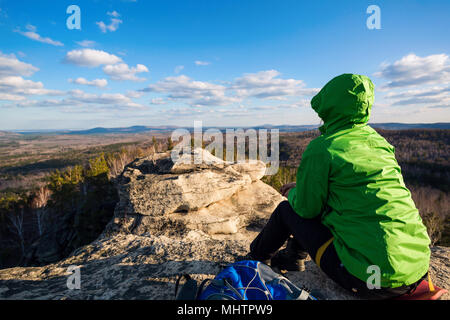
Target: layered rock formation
{"points": [[162, 198], [173, 218]]}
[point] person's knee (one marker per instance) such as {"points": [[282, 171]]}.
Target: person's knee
{"points": [[279, 213], [284, 206]]}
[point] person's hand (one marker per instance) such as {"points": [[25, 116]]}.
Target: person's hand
{"points": [[286, 188]]}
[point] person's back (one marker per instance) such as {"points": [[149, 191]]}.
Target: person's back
{"points": [[371, 213], [367, 208], [349, 208]]}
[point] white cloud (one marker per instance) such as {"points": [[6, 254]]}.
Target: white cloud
{"points": [[266, 85], [419, 83], [86, 43], [196, 93], [114, 67], [10, 97], [13, 86], [11, 66], [17, 88], [261, 85], [80, 101], [91, 58], [113, 13], [427, 92], [438, 96], [134, 94], [111, 99], [299, 103], [42, 103], [412, 70], [183, 87], [19, 83], [440, 106], [99, 83], [178, 69], [158, 101], [202, 63], [33, 35], [113, 25], [122, 71], [31, 28], [416, 101]]}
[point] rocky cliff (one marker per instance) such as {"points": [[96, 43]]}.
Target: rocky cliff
{"points": [[173, 218]]}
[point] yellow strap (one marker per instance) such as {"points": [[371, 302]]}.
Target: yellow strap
{"points": [[322, 250], [430, 283]]}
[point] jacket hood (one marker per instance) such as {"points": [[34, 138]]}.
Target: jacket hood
{"points": [[344, 102]]}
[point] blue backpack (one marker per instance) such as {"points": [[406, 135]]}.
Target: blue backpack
{"points": [[243, 280]]}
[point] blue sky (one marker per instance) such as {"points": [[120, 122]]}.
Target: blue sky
{"points": [[224, 62]]}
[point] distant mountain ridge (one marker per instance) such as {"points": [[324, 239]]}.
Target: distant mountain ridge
{"points": [[8, 134], [282, 128], [405, 126]]}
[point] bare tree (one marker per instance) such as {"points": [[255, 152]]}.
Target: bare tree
{"points": [[39, 205], [16, 219]]}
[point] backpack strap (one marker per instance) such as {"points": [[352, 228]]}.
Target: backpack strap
{"points": [[430, 283], [188, 290], [304, 295], [201, 287], [219, 283], [230, 286], [321, 251], [177, 283]]}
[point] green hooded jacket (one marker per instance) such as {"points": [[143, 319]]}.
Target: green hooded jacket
{"points": [[349, 176]]}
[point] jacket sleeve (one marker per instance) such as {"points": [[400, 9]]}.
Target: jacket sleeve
{"points": [[309, 197]]}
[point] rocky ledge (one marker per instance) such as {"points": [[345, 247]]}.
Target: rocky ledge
{"points": [[174, 218]]}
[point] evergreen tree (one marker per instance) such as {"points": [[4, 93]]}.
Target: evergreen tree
{"points": [[169, 143]]}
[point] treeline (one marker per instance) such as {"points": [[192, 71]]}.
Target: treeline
{"points": [[70, 209], [31, 171]]}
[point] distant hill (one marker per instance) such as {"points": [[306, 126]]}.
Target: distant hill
{"points": [[133, 129], [405, 126], [287, 128], [102, 130], [282, 128], [9, 134]]}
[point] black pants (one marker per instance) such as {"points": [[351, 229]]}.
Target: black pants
{"points": [[310, 235]]}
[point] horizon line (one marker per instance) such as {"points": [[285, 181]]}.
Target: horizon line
{"points": [[179, 126]]}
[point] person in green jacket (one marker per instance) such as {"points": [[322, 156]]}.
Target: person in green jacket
{"points": [[349, 209]]}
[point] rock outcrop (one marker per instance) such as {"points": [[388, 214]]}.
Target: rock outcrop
{"points": [[162, 198], [173, 218]]}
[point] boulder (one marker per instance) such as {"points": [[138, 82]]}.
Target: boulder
{"points": [[160, 196]]}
